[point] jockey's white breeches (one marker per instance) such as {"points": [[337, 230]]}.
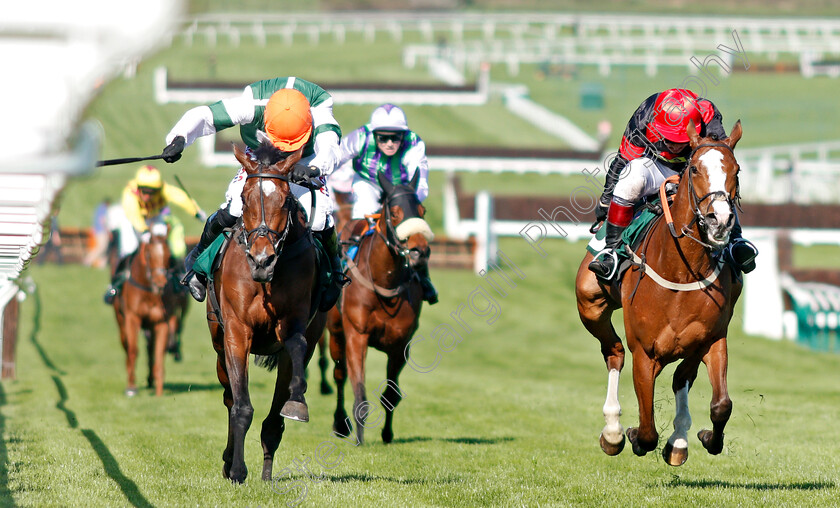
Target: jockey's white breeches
{"points": [[323, 204], [367, 196], [641, 178]]}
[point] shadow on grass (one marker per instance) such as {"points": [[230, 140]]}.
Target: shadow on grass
{"points": [[363, 477], [191, 387], [112, 469], [36, 328], [720, 484], [461, 440]]}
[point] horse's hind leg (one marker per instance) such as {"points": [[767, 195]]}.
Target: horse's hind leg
{"points": [[721, 407], [273, 425], [391, 395], [675, 451], [323, 364], [595, 310], [341, 423]]}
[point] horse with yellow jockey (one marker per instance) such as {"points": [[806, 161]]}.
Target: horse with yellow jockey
{"points": [[145, 200]]}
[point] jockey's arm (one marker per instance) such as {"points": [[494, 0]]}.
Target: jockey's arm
{"points": [[415, 159], [205, 120], [131, 208], [351, 145], [327, 133], [178, 197]]}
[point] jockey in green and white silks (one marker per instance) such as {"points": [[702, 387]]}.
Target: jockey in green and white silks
{"points": [[291, 113], [387, 146]]}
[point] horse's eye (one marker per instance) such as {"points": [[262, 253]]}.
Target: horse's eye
{"points": [[693, 170]]}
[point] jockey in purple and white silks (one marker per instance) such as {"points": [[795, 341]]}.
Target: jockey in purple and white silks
{"points": [[654, 147], [385, 146]]}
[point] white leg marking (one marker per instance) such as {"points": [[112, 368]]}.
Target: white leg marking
{"points": [[682, 421], [612, 432]]}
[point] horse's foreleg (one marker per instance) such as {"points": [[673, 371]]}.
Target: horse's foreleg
{"points": [[357, 345], [644, 438], [675, 451], [721, 407], [295, 407], [227, 396], [273, 425], [160, 336], [237, 349], [391, 395], [130, 331]]}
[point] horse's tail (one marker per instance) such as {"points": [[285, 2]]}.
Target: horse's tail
{"points": [[268, 362]]}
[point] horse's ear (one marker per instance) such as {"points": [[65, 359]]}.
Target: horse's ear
{"points": [[693, 137], [386, 184], [290, 161], [735, 135], [247, 164], [415, 179]]}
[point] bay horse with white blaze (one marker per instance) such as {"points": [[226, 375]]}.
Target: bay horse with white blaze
{"points": [[677, 304], [148, 302], [266, 289], [381, 308]]}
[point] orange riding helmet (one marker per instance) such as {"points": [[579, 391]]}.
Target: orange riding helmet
{"points": [[288, 121]]}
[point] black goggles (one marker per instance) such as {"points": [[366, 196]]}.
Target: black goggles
{"points": [[384, 138]]}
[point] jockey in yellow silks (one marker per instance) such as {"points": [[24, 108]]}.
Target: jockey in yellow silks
{"points": [[146, 200]]}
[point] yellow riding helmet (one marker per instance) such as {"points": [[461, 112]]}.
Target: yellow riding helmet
{"points": [[149, 176], [288, 121]]}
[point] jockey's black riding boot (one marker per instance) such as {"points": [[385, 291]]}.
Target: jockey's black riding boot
{"points": [[606, 262], [117, 280], [430, 294], [741, 252], [215, 224], [338, 280]]}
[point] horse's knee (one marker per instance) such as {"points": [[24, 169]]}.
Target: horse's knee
{"points": [[242, 414], [721, 410]]}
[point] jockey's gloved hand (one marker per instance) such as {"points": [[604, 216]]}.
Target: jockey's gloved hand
{"points": [[601, 211], [201, 215], [302, 174], [173, 150]]}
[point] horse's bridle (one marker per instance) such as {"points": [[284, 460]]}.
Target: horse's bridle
{"points": [[696, 201], [151, 288], [395, 245]]}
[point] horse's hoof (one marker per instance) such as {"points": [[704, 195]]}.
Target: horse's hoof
{"points": [[706, 437], [612, 449], [130, 392], [226, 471], [326, 389], [674, 456], [387, 435], [295, 410], [341, 428], [633, 436]]}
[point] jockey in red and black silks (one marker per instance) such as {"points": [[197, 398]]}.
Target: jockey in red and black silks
{"points": [[654, 147]]}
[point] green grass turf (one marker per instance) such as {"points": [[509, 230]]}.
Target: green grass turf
{"points": [[510, 416]]}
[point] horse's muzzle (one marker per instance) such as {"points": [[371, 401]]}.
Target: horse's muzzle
{"points": [[418, 257], [262, 266]]}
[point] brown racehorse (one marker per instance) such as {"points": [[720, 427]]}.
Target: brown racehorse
{"points": [[677, 308], [146, 303], [381, 308], [265, 287]]}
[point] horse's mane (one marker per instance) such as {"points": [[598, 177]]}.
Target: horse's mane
{"points": [[267, 154]]}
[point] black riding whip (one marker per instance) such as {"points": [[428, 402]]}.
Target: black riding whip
{"points": [[128, 160]]}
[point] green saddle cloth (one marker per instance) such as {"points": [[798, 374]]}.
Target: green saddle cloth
{"points": [[205, 261], [631, 235]]}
